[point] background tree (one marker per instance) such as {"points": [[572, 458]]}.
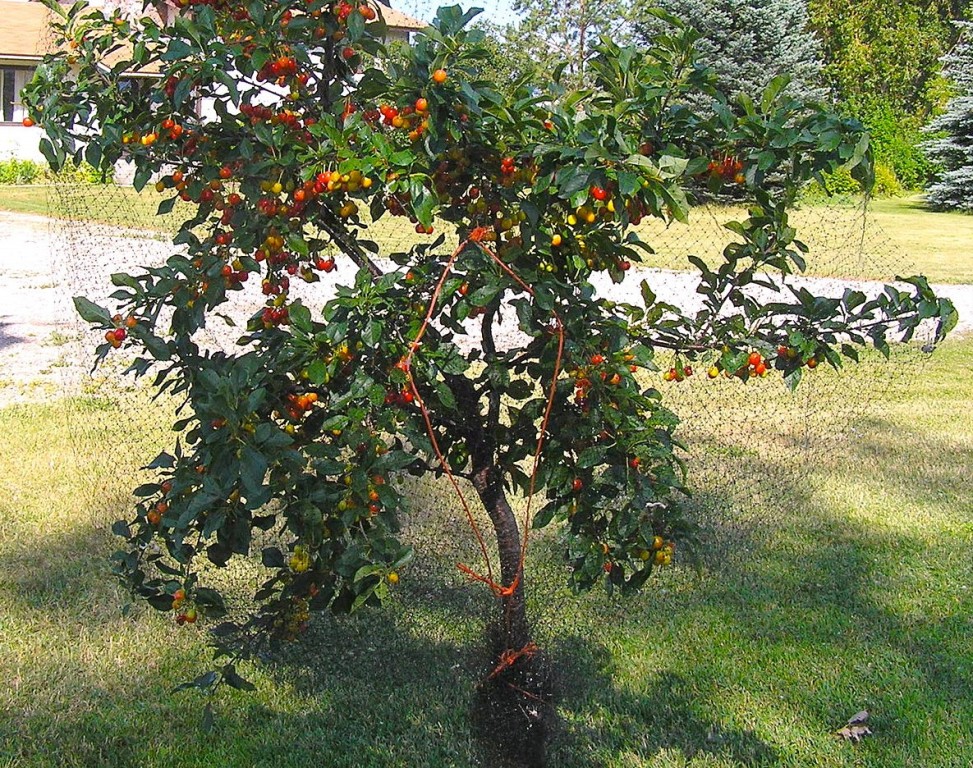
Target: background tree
{"points": [[953, 152], [747, 44], [302, 428], [563, 33], [883, 68]]}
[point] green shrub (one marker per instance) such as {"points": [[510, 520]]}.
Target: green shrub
{"points": [[887, 183], [841, 182], [80, 174], [14, 171], [895, 140], [838, 184]]}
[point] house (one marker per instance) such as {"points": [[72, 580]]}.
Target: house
{"points": [[401, 26], [23, 40], [23, 30]]}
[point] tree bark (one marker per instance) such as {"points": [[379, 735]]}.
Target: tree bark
{"points": [[513, 627]]}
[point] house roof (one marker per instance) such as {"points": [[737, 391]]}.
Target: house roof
{"points": [[23, 29], [396, 19]]}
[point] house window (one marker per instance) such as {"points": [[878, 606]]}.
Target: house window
{"points": [[12, 82]]}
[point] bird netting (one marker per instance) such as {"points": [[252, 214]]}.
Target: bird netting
{"points": [[744, 441], [747, 438]]}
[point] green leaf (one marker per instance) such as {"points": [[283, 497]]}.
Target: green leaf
{"points": [[648, 296], [54, 157], [272, 557], [91, 312], [520, 389], [424, 206], [372, 333], [628, 183], [300, 317], [253, 468], [316, 371], [543, 518], [211, 601], [142, 177], [591, 457], [155, 345], [772, 91]]}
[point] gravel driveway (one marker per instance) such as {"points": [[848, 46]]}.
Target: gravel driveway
{"points": [[39, 332]]}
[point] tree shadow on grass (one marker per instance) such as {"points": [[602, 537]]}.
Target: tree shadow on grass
{"points": [[66, 574], [601, 719], [7, 339], [395, 687], [889, 452]]}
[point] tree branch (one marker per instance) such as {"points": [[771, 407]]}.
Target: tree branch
{"points": [[348, 246]]}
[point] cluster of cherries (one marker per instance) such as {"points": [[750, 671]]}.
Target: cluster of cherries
{"points": [[727, 168]]}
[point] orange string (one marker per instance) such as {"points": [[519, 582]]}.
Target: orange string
{"points": [[476, 236], [509, 657], [406, 365]]}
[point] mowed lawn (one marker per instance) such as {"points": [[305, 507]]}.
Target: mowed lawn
{"points": [[896, 237], [854, 592], [846, 583]]}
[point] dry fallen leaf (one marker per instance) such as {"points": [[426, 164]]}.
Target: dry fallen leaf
{"points": [[855, 729], [854, 732]]}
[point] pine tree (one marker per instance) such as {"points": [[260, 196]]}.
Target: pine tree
{"points": [[747, 43], [954, 150]]}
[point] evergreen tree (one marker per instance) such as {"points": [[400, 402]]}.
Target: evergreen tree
{"points": [[954, 151], [747, 43]]}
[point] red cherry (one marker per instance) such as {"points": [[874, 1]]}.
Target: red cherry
{"points": [[577, 484]]}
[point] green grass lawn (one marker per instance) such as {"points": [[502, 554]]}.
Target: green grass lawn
{"points": [[940, 242], [853, 592], [108, 204], [898, 237]]}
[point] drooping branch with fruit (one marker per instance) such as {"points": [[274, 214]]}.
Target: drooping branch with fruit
{"points": [[314, 138]]}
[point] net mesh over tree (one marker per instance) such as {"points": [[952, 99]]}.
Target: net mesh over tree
{"points": [[746, 442]]}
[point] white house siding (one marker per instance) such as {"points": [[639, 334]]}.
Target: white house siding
{"points": [[21, 143]]}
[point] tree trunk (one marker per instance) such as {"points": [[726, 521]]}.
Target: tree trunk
{"points": [[513, 627]]}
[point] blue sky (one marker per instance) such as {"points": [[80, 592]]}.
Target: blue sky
{"points": [[497, 11]]}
